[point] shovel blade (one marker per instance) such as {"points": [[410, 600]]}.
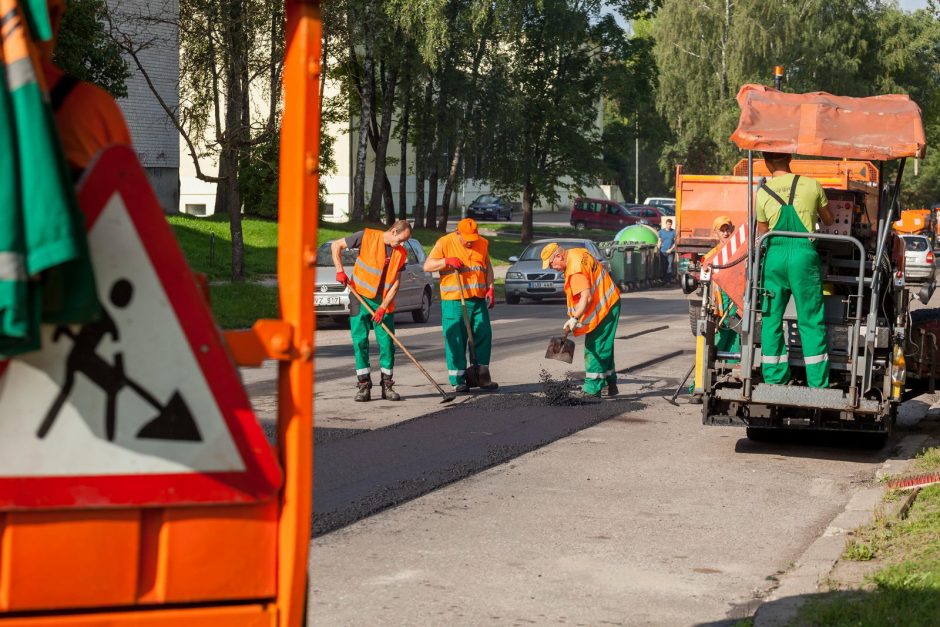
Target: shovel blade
{"points": [[561, 349]]}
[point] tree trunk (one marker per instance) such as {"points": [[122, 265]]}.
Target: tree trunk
{"points": [[233, 136], [389, 199], [528, 199], [380, 180], [449, 186], [421, 156], [403, 159], [436, 146], [365, 115]]}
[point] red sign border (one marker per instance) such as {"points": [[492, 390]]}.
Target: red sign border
{"points": [[117, 171]]}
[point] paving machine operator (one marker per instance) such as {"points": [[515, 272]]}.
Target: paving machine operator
{"points": [[788, 202]]}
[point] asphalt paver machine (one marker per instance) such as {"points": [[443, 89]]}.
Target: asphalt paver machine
{"points": [[879, 354]]}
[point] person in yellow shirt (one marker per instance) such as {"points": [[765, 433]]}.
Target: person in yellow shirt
{"points": [[789, 202], [593, 311]]}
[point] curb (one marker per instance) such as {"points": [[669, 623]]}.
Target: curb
{"points": [[781, 605]]}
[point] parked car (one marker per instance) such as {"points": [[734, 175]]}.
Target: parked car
{"points": [[490, 207], [600, 213], [918, 259], [669, 204], [525, 278], [331, 299]]}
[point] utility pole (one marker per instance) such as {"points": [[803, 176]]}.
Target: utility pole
{"points": [[636, 165]]}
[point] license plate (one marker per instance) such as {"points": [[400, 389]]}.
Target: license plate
{"points": [[322, 301], [539, 284]]}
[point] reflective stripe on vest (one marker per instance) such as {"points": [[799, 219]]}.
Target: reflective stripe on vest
{"points": [[473, 272], [603, 291], [367, 271]]}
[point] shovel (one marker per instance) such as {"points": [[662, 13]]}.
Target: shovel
{"points": [[445, 397], [560, 348], [472, 374]]}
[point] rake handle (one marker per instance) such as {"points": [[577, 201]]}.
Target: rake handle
{"points": [[400, 345]]}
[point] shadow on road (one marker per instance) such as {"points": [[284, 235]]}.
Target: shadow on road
{"points": [[357, 476]]}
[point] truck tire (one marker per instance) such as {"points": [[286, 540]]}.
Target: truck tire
{"points": [[695, 309]]}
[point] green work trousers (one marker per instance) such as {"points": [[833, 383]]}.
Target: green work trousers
{"points": [[791, 266], [727, 339], [359, 326], [455, 336], [599, 369]]}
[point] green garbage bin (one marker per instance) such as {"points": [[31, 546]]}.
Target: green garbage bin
{"points": [[642, 259], [656, 267], [622, 265]]}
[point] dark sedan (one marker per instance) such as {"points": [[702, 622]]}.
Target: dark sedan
{"points": [[490, 207], [527, 279]]}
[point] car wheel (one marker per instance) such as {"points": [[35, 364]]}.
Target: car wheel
{"points": [[423, 314], [512, 298], [580, 226]]}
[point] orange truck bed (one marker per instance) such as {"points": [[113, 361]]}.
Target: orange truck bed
{"points": [[701, 198]]}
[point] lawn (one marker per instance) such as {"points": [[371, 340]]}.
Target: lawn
{"points": [[906, 589]]}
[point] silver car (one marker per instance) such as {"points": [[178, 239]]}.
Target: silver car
{"points": [[526, 278], [918, 259], [332, 299]]}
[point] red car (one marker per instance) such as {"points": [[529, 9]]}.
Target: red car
{"points": [[601, 213]]}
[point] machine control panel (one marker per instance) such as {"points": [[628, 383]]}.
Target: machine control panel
{"points": [[849, 216]]}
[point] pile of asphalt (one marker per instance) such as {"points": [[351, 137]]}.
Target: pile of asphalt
{"points": [[355, 477]]}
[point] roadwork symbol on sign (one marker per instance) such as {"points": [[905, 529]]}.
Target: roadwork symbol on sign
{"points": [[143, 406]]}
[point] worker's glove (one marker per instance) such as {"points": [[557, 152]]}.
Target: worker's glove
{"points": [[571, 324], [453, 262], [490, 297], [378, 315], [341, 278]]}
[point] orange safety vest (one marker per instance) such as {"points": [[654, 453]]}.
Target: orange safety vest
{"points": [[604, 293], [473, 273], [369, 264]]}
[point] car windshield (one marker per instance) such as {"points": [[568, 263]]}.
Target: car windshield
{"points": [[485, 199], [534, 251], [325, 257], [916, 244]]}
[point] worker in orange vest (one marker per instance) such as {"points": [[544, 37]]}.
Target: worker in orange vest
{"points": [[467, 253], [376, 277], [88, 118], [593, 311]]}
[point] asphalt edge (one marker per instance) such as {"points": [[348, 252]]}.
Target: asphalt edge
{"points": [[780, 607]]}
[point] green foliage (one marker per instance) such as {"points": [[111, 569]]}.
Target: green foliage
{"points": [[85, 50], [858, 552], [258, 178]]}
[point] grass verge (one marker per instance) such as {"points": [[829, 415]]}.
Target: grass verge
{"points": [[905, 590], [238, 305], [195, 238]]}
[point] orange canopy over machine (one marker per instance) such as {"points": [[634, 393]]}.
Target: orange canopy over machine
{"points": [[876, 128]]}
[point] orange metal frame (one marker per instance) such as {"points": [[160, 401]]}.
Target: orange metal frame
{"points": [[242, 565]]}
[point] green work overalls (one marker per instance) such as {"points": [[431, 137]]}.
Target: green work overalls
{"points": [[791, 265]]}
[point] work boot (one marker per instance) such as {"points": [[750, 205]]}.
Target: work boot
{"points": [[612, 390], [388, 392], [584, 398], [486, 383], [461, 388], [364, 393]]}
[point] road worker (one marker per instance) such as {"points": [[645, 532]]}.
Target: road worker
{"points": [[464, 253], [788, 202], [727, 339], [593, 311], [88, 118], [376, 277]]}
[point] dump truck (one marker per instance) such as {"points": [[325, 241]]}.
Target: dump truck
{"points": [[879, 354], [917, 222]]}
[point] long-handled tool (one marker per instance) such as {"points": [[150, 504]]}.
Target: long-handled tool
{"points": [[445, 397], [472, 373], [560, 348]]}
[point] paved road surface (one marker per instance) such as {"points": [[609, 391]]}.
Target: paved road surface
{"points": [[499, 509]]}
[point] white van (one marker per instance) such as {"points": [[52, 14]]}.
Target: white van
{"points": [[664, 203]]}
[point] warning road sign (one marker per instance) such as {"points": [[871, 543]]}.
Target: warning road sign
{"points": [[142, 407]]}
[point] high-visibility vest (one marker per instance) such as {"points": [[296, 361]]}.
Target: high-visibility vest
{"points": [[604, 293], [367, 273], [473, 273]]}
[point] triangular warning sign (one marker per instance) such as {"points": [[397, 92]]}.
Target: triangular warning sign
{"points": [[142, 407]]}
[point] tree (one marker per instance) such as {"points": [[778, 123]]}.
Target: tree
{"points": [[544, 91], [86, 51], [229, 50]]}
